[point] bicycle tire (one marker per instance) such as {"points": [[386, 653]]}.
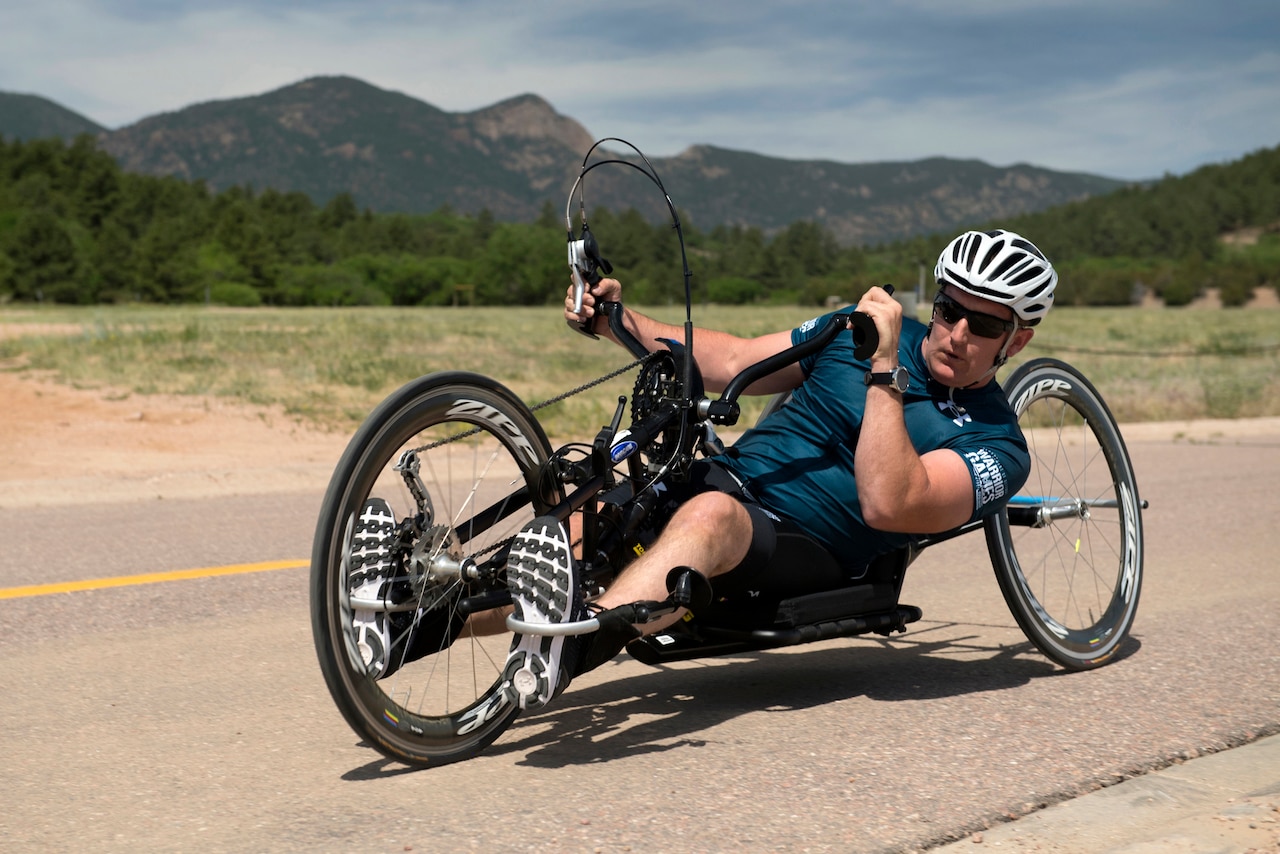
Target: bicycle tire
{"points": [[1071, 567], [445, 701]]}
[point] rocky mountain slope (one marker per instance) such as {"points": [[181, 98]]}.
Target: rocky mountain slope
{"points": [[328, 135]]}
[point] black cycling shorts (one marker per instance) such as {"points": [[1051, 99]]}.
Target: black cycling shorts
{"points": [[802, 566], [706, 476]]}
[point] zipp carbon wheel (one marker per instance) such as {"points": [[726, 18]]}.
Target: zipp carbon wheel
{"points": [[408, 565], [1067, 551]]}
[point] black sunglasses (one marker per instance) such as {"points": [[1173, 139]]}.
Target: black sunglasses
{"points": [[982, 325]]}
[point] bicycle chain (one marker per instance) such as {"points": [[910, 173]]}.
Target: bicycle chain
{"points": [[604, 379]]}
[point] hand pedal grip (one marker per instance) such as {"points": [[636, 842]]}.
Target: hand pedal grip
{"points": [[689, 588]]}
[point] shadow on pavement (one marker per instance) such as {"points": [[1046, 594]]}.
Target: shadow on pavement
{"points": [[595, 724], [674, 704]]}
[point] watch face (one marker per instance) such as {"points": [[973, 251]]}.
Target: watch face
{"points": [[901, 379]]}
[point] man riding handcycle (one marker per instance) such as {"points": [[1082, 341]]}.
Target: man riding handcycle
{"points": [[464, 570], [865, 454]]}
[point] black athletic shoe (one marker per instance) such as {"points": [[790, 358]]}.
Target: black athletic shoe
{"points": [[543, 581]]}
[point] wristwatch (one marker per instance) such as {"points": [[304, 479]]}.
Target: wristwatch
{"points": [[897, 379]]}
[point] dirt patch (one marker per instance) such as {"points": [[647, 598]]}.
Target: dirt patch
{"points": [[60, 445], [16, 330]]}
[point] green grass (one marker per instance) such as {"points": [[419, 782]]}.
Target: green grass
{"points": [[331, 366]]}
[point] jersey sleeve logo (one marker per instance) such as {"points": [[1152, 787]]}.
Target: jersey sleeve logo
{"points": [[989, 480]]}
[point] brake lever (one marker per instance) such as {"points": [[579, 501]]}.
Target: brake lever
{"points": [[581, 271], [585, 266]]}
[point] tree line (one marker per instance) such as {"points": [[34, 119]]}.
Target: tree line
{"points": [[1167, 236], [76, 228]]}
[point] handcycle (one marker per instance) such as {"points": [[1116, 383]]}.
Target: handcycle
{"points": [[464, 464]]}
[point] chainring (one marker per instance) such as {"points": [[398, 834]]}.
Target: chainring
{"points": [[659, 381]]}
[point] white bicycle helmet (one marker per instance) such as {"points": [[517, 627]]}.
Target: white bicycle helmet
{"points": [[1003, 267]]}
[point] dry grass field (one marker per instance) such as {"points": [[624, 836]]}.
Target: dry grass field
{"points": [[326, 368]]}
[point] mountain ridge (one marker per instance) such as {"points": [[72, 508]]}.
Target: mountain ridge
{"points": [[337, 134], [27, 116]]}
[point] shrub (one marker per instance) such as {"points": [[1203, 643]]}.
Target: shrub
{"points": [[321, 284], [235, 294], [733, 290]]}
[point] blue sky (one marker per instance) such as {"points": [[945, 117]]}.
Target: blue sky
{"points": [[1123, 88]]}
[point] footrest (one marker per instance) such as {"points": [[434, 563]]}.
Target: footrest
{"points": [[681, 643], [580, 627]]}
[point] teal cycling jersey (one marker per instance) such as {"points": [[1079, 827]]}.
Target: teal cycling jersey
{"points": [[798, 462]]}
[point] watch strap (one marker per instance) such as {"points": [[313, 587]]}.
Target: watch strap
{"points": [[889, 378]]}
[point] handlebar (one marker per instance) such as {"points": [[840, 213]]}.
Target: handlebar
{"points": [[726, 409], [865, 340], [613, 312]]}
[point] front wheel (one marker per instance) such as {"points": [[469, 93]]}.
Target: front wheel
{"points": [[1067, 551], [408, 565]]}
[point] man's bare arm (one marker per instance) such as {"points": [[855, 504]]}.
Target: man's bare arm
{"points": [[900, 489], [720, 356]]}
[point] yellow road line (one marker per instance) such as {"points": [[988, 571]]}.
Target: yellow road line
{"points": [[149, 578]]}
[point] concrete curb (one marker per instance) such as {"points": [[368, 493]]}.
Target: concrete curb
{"points": [[1221, 803]]}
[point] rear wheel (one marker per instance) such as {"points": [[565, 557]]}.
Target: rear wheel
{"points": [[447, 469], [1067, 551]]}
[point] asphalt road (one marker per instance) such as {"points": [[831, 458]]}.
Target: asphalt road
{"points": [[191, 715]]}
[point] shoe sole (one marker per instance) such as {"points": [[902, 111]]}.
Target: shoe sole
{"points": [[368, 551], [541, 579]]}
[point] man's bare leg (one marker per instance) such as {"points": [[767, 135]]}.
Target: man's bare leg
{"points": [[711, 533]]}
